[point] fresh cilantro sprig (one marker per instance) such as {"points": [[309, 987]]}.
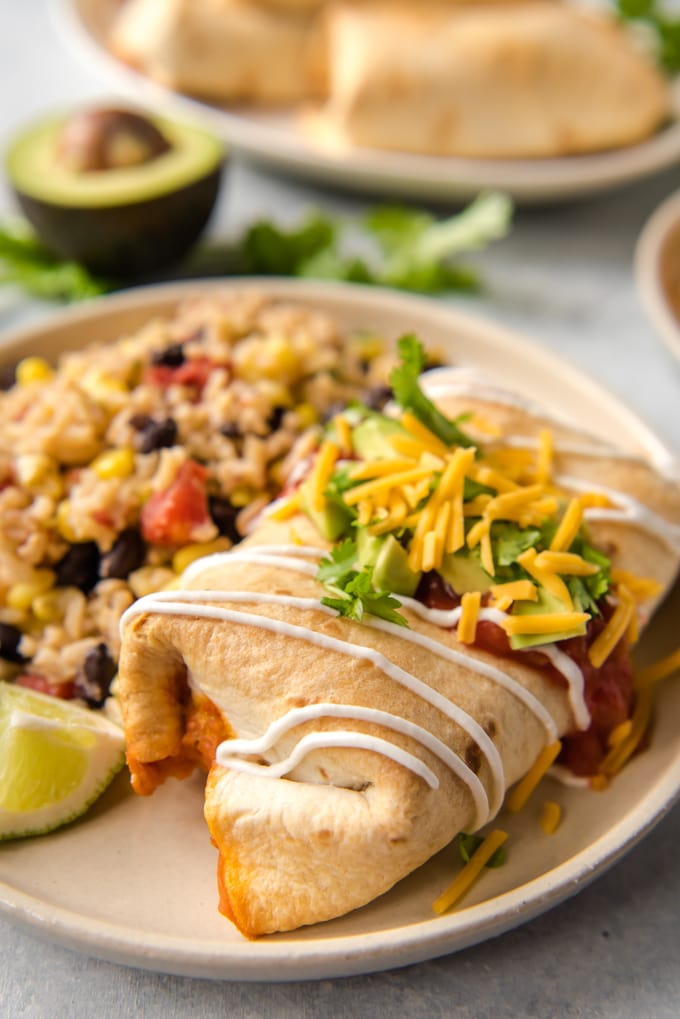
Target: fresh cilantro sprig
{"points": [[27, 263], [405, 384], [469, 844], [393, 246], [352, 590], [664, 28]]}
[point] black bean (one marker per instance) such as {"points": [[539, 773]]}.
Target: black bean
{"points": [[224, 516], [127, 554], [79, 567], [231, 430], [334, 408], [140, 421], [376, 397], [275, 418], [10, 637], [158, 435], [8, 376], [95, 676], [171, 357]]}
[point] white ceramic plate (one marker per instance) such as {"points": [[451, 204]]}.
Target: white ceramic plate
{"points": [[657, 270], [274, 139], [134, 880]]}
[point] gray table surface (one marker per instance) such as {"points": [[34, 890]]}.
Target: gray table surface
{"points": [[564, 278]]}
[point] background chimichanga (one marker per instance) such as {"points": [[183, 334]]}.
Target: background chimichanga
{"points": [[489, 79]]}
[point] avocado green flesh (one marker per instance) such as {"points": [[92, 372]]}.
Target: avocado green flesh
{"points": [[371, 438], [546, 602], [331, 521], [464, 573], [391, 571], [35, 172]]}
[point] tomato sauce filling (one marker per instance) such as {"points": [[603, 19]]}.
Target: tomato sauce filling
{"points": [[608, 690], [204, 730]]}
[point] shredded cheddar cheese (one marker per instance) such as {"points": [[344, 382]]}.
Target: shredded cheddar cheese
{"points": [[524, 788], [515, 590], [659, 670], [551, 815], [546, 622], [544, 459], [568, 527], [287, 507], [546, 577], [470, 872], [616, 627], [565, 562], [322, 471], [467, 625], [343, 430]]}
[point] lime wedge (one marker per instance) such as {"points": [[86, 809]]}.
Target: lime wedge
{"points": [[56, 758]]}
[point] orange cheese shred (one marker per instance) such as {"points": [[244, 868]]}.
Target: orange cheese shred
{"points": [[525, 787], [470, 872]]}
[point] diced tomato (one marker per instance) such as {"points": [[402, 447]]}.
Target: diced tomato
{"points": [[172, 517], [103, 517], [194, 373], [63, 688]]}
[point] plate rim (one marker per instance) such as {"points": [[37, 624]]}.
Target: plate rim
{"points": [[361, 953], [437, 178], [647, 265]]}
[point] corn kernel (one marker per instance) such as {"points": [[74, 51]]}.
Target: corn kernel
{"points": [[32, 468], [33, 369], [50, 607], [114, 463], [101, 386], [369, 346], [241, 496], [307, 414], [277, 358], [63, 523], [22, 595], [184, 556]]}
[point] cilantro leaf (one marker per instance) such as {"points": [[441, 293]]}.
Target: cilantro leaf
{"points": [[510, 540], [352, 590], [664, 29], [404, 381], [340, 562], [26, 262], [469, 844]]}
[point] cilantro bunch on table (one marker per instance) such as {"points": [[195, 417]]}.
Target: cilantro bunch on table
{"points": [[654, 15], [392, 246], [26, 263]]}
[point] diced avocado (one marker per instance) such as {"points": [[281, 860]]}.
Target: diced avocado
{"points": [[464, 573], [546, 602], [391, 571], [370, 438], [332, 521]]}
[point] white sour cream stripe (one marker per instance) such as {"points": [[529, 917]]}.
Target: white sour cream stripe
{"points": [[228, 750]]}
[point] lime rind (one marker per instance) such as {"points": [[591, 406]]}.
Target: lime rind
{"points": [[56, 759]]}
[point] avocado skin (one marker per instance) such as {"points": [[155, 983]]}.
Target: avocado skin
{"points": [[126, 240]]}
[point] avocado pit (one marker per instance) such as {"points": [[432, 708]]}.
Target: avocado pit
{"points": [[123, 193]]}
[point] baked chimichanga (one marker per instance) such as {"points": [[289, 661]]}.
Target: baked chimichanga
{"points": [[485, 80], [431, 603], [227, 50]]}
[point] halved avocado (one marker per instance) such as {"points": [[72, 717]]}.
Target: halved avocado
{"points": [[121, 192]]}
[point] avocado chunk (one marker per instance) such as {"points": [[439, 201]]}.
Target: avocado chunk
{"points": [[122, 193], [370, 438], [391, 571], [331, 521], [464, 573], [546, 602]]}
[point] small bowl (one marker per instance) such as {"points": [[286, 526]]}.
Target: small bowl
{"points": [[657, 270]]}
